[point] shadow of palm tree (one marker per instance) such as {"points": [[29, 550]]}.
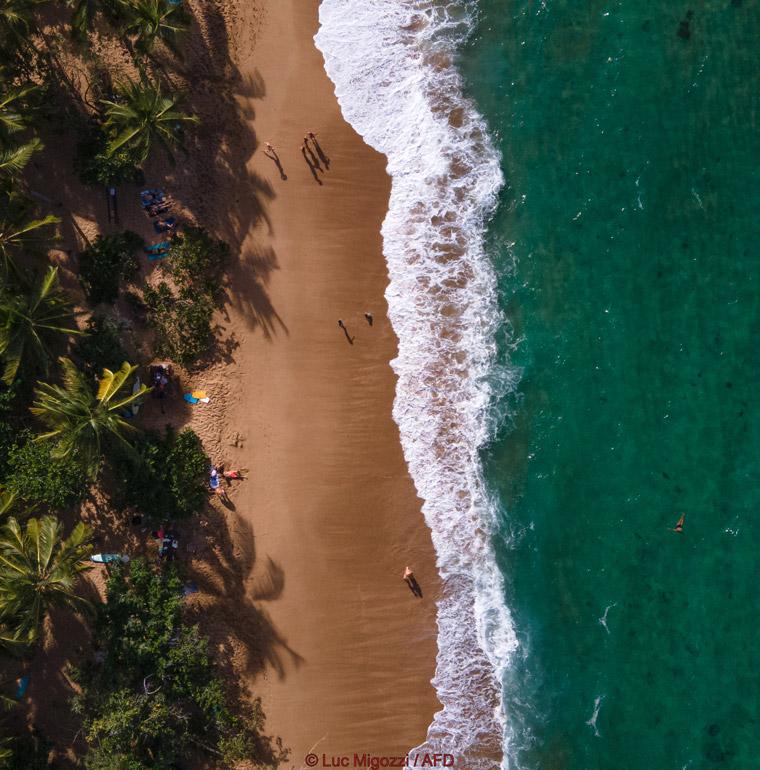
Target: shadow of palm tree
{"points": [[229, 606], [247, 290]]}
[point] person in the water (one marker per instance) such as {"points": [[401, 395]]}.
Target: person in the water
{"points": [[679, 524]]}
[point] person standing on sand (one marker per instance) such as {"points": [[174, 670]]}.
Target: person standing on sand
{"points": [[271, 153], [370, 319], [411, 581], [345, 331], [310, 135]]}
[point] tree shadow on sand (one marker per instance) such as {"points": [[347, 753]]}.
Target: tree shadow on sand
{"points": [[246, 291], [229, 604]]}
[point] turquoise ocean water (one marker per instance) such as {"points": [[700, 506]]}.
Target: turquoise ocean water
{"points": [[626, 241]]}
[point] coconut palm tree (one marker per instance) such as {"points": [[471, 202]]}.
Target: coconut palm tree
{"points": [[14, 110], [16, 19], [7, 498], [83, 420], [19, 231], [152, 20], [13, 159], [39, 570], [29, 322], [143, 115]]}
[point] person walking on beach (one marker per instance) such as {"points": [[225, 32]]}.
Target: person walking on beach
{"points": [[345, 331], [411, 581], [310, 135], [270, 152], [679, 524], [370, 319]]}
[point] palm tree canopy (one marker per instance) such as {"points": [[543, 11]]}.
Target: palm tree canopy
{"points": [[19, 231], [39, 570], [16, 16], [14, 111], [29, 322], [80, 419], [142, 115], [153, 20], [13, 159]]}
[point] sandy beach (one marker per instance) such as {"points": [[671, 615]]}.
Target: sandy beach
{"points": [[329, 517], [300, 575]]}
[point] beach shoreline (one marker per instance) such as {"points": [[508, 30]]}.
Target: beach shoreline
{"points": [[329, 510]]}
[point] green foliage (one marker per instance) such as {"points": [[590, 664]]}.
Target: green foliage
{"points": [[182, 322], [157, 697], [17, 105], [142, 115], [153, 20], [170, 480], [8, 424], [108, 262], [20, 231], [182, 317], [96, 166], [35, 476], [83, 422], [100, 347], [197, 261], [38, 570], [31, 322], [135, 625]]}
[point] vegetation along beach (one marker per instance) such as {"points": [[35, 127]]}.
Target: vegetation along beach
{"points": [[376, 384], [148, 238]]}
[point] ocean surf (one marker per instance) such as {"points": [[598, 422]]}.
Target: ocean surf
{"points": [[393, 66]]}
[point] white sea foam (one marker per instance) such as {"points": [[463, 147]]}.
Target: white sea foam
{"points": [[392, 63]]}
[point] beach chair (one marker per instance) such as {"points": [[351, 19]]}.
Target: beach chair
{"points": [[162, 246], [152, 196]]}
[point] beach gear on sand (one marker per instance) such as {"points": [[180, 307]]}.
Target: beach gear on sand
{"points": [[109, 558], [21, 686], [150, 197], [214, 480], [197, 396], [136, 389], [153, 248]]}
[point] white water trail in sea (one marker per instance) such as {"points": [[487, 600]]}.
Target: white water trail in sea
{"points": [[392, 63], [591, 722]]}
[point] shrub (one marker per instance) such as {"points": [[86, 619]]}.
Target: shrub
{"points": [[36, 477], [96, 167], [182, 317], [196, 261], [141, 632], [108, 262], [182, 322], [170, 481], [8, 428], [100, 348]]}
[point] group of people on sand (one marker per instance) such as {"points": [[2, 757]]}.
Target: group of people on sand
{"points": [[312, 152]]}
